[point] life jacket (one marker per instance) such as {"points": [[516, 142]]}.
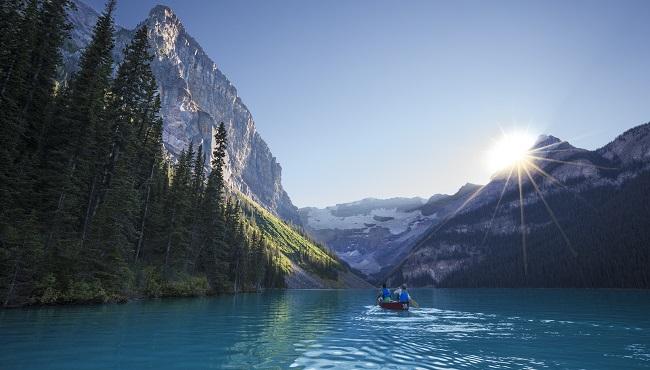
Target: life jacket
{"points": [[385, 292], [404, 296]]}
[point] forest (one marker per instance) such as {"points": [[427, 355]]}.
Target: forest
{"points": [[92, 208]]}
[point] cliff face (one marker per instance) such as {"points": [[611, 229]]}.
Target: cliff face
{"points": [[196, 96]]}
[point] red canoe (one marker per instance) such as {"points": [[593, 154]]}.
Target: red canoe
{"points": [[393, 305]]}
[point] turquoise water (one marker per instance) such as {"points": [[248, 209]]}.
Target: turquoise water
{"points": [[454, 329]]}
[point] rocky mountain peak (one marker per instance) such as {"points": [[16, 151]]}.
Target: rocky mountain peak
{"points": [[163, 12], [546, 140], [550, 142], [196, 96], [631, 146]]}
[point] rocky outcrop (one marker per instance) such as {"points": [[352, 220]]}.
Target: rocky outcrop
{"points": [[196, 96]]}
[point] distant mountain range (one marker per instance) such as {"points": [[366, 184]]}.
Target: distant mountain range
{"points": [[371, 233], [596, 233], [195, 96], [374, 234]]}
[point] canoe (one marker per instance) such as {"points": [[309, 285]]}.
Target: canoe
{"points": [[393, 305]]}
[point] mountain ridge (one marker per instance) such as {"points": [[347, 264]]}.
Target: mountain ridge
{"points": [[574, 171], [579, 181], [195, 96]]}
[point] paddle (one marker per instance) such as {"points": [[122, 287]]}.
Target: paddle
{"points": [[414, 303]]}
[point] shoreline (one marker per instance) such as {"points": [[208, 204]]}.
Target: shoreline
{"points": [[121, 300]]}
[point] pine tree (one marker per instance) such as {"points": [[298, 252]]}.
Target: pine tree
{"points": [[234, 240], [155, 234], [196, 213], [16, 50], [179, 213], [215, 251], [259, 260], [52, 29], [77, 146], [122, 204], [32, 35], [10, 16]]}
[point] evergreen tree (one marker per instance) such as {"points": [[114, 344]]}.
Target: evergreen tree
{"points": [[20, 29], [236, 244], [52, 29], [32, 34], [155, 234], [197, 215], [215, 254], [134, 152], [179, 211], [77, 146], [259, 260]]}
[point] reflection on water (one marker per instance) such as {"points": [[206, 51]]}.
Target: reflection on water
{"points": [[455, 329]]}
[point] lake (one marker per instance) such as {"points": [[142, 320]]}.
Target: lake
{"points": [[453, 329]]}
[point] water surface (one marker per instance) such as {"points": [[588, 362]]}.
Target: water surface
{"points": [[454, 329]]}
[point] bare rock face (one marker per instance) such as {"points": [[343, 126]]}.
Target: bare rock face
{"points": [[196, 96]]}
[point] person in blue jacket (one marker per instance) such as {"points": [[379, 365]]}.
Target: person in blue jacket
{"points": [[385, 293], [404, 296]]}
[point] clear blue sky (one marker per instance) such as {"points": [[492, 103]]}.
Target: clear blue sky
{"points": [[389, 98]]}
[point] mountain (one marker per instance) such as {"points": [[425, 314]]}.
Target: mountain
{"points": [[195, 97], [373, 234], [585, 223], [368, 234]]}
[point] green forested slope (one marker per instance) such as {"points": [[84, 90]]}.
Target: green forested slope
{"points": [[294, 245]]}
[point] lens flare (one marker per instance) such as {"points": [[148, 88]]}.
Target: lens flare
{"points": [[515, 159], [510, 150]]}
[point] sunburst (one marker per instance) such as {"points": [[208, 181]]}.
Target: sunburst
{"points": [[516, 155]]}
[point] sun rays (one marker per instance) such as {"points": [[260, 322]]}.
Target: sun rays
{"points": [[519, 157], [528, 168], [526, 163], [509, 150]]}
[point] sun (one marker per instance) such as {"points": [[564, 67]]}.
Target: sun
{"points": [[509, 150]]}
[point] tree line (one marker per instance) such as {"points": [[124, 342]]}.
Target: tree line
{"points": [[90, 208]]}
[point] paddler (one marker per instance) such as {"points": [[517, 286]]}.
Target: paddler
{"points": [[404, 296], [385, 293]]}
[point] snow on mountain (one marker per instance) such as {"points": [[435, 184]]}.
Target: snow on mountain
{"points": [[373, 234], [392, 219], [370, 233]]}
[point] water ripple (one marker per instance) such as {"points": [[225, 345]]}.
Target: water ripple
{"points": [[456, 329]]}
